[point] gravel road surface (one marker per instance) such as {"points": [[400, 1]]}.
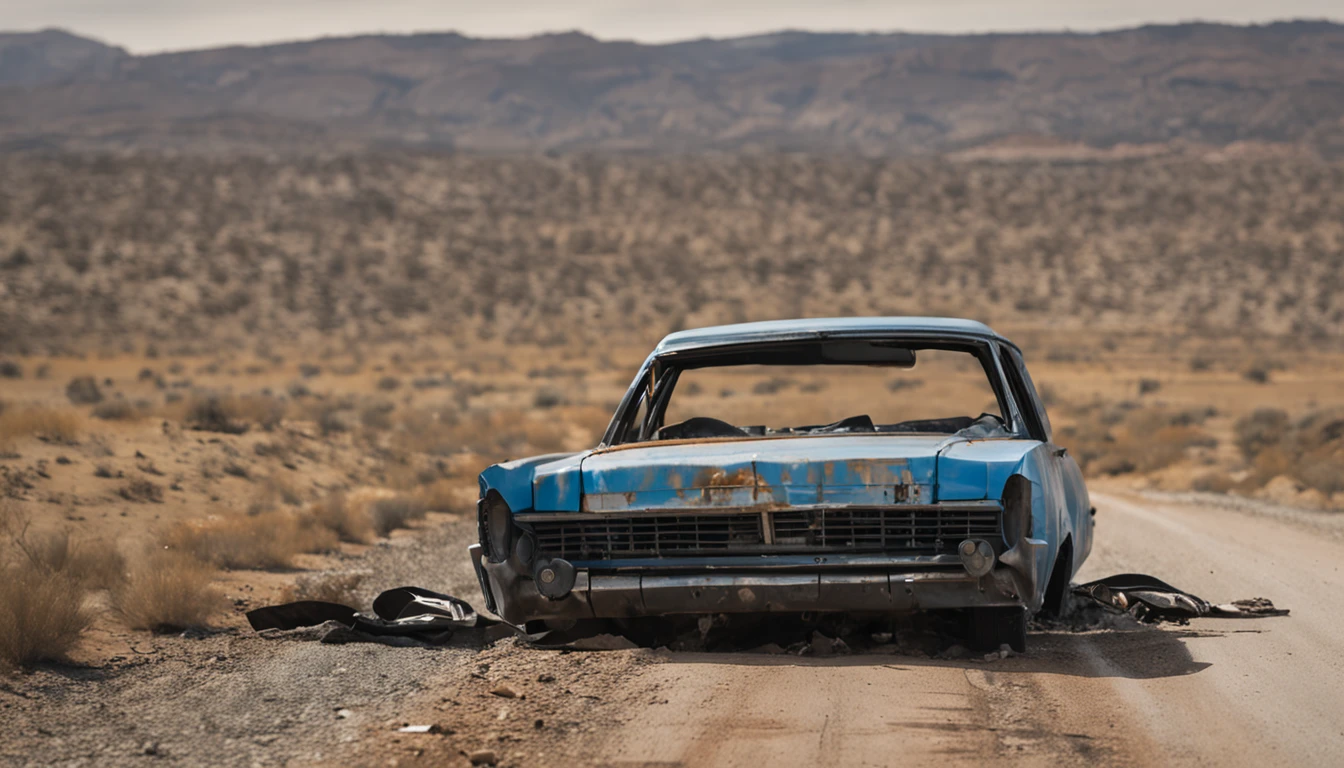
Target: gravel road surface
{"points": [[1227, 692], [1219, 691]]}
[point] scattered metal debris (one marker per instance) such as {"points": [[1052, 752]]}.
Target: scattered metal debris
{"points": [[1153, 600], [404, 613]]}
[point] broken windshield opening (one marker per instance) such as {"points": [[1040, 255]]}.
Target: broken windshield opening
{"points": [[852, 391]]}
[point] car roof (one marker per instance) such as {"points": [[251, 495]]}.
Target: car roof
{"points": [[809, 328]]}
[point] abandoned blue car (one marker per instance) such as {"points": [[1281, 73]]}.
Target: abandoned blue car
{"points": [[859, 465]]}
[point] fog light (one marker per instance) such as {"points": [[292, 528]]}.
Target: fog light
{"points": [[977, 557], [555, 578]]}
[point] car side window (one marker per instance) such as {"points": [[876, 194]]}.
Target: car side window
{"points": [[1024, 391]]}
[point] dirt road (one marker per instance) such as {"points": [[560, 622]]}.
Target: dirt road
{"points": [[1216, 692]]}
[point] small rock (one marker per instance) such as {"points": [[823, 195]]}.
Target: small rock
{"points": [[538, 723], [344, 714], [881, 638], [954, 652], [503, 691], [482, 757], [545, 677], [1005, 651], [149, 748]]}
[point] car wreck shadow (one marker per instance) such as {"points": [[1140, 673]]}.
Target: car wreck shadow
{"points": [[1141, 652], [1125, 648]]}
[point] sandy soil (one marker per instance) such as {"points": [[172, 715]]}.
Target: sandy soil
{"points": [[1218, 692], [1221, 691]]}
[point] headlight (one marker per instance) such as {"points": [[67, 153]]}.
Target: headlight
{"points": [[496, 526]]}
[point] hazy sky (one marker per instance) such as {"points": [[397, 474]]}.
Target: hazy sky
{"points": [[156, 25]]}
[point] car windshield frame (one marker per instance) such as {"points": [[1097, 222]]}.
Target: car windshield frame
{"points": [[652, 388]]}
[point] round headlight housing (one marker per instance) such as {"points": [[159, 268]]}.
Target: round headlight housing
{"points": [[496, 525]]}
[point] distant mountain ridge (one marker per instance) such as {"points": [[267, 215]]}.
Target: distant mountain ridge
{"points": [[881, 94]]}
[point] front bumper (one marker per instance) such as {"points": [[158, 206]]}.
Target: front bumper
{"points": [[881, 585]]}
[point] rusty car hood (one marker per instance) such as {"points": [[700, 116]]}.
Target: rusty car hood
{"points": [[769, 472]]}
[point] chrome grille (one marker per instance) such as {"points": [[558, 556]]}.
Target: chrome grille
{"points": [[905, 529], [927, 530]]}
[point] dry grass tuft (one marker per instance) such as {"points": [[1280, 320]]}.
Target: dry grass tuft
{"points": [[42, 614], [349, 522], [167, 591], [57, 424], [116, 410], [267, 540], [328, 588], [91, 564], [396, 512]]}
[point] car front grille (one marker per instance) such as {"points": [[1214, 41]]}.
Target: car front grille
{"points": [[906, 529]]}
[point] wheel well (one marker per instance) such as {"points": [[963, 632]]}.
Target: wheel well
{"points": [[1057, 589]]}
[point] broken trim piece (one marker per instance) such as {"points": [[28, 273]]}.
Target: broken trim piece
{"points": [[1152, 600]]}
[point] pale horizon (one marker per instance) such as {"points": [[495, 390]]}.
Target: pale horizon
{"points": [[155, 26]]}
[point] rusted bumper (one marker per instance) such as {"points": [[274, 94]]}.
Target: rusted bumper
{"points": [[895, 588]]}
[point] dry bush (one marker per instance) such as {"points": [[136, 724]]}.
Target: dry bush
{"points": [[265, 411], [91, 564], [397, 512], [1133, 439], [267, 540], [83, 390], [42, 614], [349, 522], [57, 424], [166, 591], [1310, 450], [327, 588], [115, 410], [215, 413], [445, 495], [141, 490]]}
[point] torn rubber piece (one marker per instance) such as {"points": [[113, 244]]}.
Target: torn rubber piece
{"points": [[409, 612], [1152, 600]]}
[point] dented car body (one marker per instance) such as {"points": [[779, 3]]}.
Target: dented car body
{"points": [[704, 516]]}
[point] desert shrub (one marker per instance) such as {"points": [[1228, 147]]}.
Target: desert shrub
{"points": [[10, 370], [42, 614], [389, 383], [348, 522], [308, 370], [115, 410], [55, 424], [1260, 429], [328, 588], [1112, 441], [1213, 482], [1147, 386], [239, 541], [442, 495], [548, 397], [142, 490], [89, 563], [166, 591], [900, 383], [377, 416], [389, 514], [83, 390], [1256, 373], [265, 411], [772, 385], [332, 420], [215, 413], [1310, 450]]}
